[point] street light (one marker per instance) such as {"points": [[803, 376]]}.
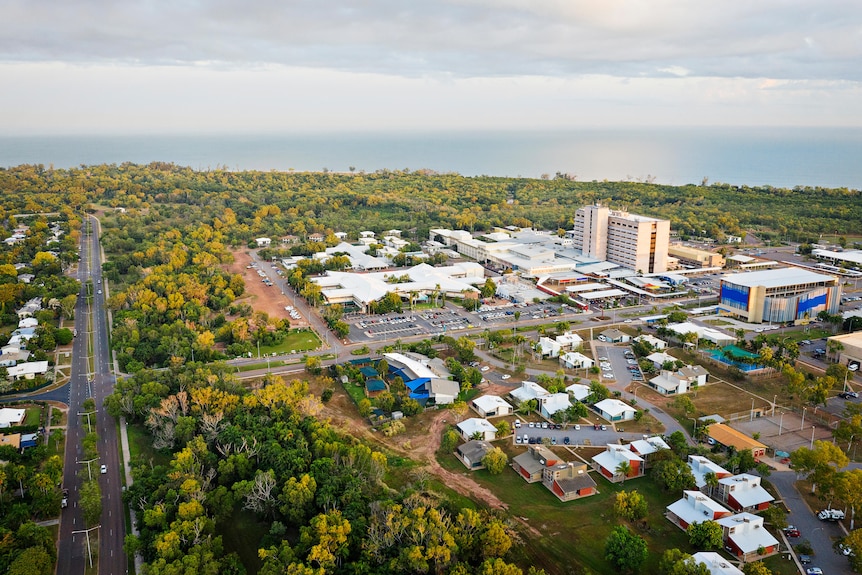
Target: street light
{"points": [[88, 462], [87, 532], [88, 414], [802, 426], [813, 427]]}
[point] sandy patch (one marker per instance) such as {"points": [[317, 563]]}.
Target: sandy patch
{"points": [[258, 295]]}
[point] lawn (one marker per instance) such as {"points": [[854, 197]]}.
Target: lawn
{"points": [[574, 533], [141, 447], [356, 392], [34, 415], [296, 341], [244, 534]]}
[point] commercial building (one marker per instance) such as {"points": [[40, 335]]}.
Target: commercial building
{"points": [[695, 258], [779, 296], [849, 348], [636, 242]]}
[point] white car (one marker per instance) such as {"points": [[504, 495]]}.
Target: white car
{"points": [[485, 368], [505, 376], [103, 470], [577, 427]]}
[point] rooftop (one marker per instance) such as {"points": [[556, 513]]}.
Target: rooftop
{"points": [[777, 278]]}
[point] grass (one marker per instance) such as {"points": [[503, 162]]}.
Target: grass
{"points": [[141, 449], [574, 533], [356, 392], [263, 365], [34, 415], [299, 340]]}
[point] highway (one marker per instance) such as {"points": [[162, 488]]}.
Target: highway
{"points": [[97, 384]]}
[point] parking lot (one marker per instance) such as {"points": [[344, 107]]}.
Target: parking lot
{"points": [[405, 324], [531, 311], [618, 364], [578, 434]]}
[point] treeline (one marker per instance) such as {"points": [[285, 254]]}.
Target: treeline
{"points": [[332, 505]]}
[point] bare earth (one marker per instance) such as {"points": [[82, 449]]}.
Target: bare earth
{"points": [[258, 295]]}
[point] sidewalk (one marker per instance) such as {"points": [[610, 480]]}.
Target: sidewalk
{"points": [[127, 468]]}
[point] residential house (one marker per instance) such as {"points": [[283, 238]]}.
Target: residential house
{"points": [[26, 278], [716, 564], [569, 341], [531, 464], [726, 436], [475, 427], [30, 308], [28, 322], [614, 410], [547, 347], [316, 237], [655, 342], [660, 358], [579, 391], [491, 406], [472, 452], [569, 481], [12, 354], [575, 360], [12, 417], [263, 242], [374, 386], [29, 440], [27, 370], [614, 335], [528, 391], [670, 382], [608, 463], [21, 336], [553, 403], [648, 447], [694, 507], [743, 492], [744, 534], [10, 439], [443, 391], [289, 240], [700, 466]]}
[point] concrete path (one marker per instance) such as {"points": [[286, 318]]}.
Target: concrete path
{"points": [[127, 469]]}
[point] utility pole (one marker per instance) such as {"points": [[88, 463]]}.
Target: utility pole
{"points": [[87, 532], [88, 414]]}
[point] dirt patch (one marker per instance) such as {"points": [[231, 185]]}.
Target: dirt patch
{"points": [[258, 295]]}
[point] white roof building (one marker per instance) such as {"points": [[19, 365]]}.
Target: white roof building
{"points": [[579, 391], [547, 347], [11, 417], [659, 358], [412, 366], [576, 360], [359, 260], [529, 390], [657, 343], [700, 466], [615, 410], [716, 564], [470, 427], [554, 402], [262, 242], [648, 446], [745, 534], [695, 507], [743, 492], [491, 406], [609, 460], [28, 322], [27, 370], [707, 333], [569, 341]]}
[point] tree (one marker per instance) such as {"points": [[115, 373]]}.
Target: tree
{"points": [[32, 561], [673, 474], [821, 463], [312, 365], [848, 488], [630, 505], [623, 469], [625, 550], [91, 502], [705, 535], [495, 461], [449, 441], [756, 568]]}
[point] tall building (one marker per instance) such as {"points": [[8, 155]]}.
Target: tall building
{"points": [[639, 243]]}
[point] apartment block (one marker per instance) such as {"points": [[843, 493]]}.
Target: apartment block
{"points": [[636, 242]]}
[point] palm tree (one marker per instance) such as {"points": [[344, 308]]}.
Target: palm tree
{"points": [[711, 480], [623, 468]]}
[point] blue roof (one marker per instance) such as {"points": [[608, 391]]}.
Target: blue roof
{"points": [[375, 385], [418, 385], [368, 371]]}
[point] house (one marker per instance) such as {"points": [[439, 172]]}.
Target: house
{"points": [[694, 507], [575, 360], [316, 237], [26, 278], [27, 370], [263, 242], [677, 382], [531, 464], [21, 336], [443, 391], [475, 427], [472, 453], [289, 240], [12, 354], [569, 481], [28, 322], [527, 392], [655, 342], [491, 406], [547, 347], [579, 391], [11, 439], [30, 308], [716, 564], [743, 492], [700, 466], [648, 447], [660, 358], [12, 417], [744, 534], [728, 437], [29, 440], [608, 463], [614, 410], [553, 403], [569, 341], [614, 335]]}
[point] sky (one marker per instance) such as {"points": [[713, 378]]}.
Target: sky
{"points": [[222, 66]]}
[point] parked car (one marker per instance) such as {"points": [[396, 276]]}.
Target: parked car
{"points": [[845, 550], [804, 559], [567, 440], [577, 427], [505, 376], [831, 515], [517, 423], [485, 368], [517, 439], [791, 531], [814, 571]]}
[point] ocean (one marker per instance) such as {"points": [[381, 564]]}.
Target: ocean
{"points": [[780, 157]]}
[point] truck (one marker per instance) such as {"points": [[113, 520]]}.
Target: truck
{"points": [[831, 515]]}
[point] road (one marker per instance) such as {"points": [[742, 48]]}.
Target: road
{"points": [[97, 384]]}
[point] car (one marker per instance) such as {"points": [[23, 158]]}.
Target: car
{"points": [[505, 376], [517, 439], [577, 427], [831, 515], [532, 441], [845, 550], [567, 440], [553, 441], [485, 368], [100, 292], [604, 427], [852, 394], [544, 425], [64, 503], [103, 470], [603, 359], [517, 423], [532, 424], [791, 531], [814, 571], [804, 559], [628, 321]]}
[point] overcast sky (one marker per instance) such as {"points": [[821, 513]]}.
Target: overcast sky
{"points": [[96, 66]]}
